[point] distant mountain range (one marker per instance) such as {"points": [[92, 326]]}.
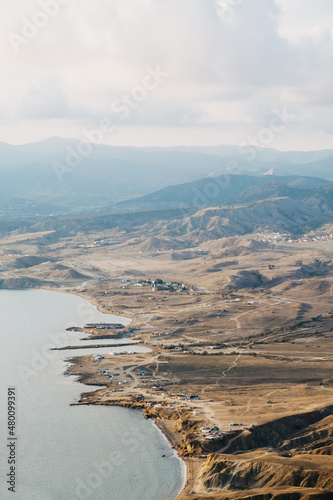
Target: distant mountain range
{"points": [[222, 190], [65, 176], [188, 215], [185, 228]]}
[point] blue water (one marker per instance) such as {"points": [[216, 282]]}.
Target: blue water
{"points": [[64, 452]]}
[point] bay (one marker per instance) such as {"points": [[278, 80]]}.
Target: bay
{"points": [[67, 452]]}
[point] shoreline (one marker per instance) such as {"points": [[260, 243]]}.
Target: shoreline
{"points": [[182, 420], [92, 301], [169, 437], [167, 434]]}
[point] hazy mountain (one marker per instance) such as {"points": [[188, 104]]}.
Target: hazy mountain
{"points": [[189, 227], [66, 176], [227, 190]]}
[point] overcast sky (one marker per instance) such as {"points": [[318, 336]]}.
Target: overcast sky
{"points": [[225, 66]]}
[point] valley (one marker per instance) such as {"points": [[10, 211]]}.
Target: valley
{"points": [[238, 320]]}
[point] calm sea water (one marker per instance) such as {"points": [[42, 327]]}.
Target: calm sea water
{"points": [[63, 452]]}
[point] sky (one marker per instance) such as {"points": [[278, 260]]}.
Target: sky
{"points": [[168, 72]]}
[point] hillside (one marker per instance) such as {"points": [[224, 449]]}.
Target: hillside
{"points": [[52, 177], [280, 215], [23, 283], [176, 228], [28, 261], [238, 315], [228, 189], [293, 452]]}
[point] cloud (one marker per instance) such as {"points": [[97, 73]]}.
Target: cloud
{"points": [[47, 102], [224, 69]]}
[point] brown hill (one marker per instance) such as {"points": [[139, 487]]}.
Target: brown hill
{"points": [[273, 459], [281, 214], [22, 283], [274, 471], [72, 274], [153, 243], [28, 261]]}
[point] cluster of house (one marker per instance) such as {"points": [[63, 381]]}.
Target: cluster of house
{"points": [[215, 433], [271, 237], [108, 374], [188, 397], [142, 373], [317, 237], [103, 326], [159, 284], [97, 357], [212, 433]]}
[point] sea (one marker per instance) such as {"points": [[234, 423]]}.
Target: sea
{"points": [[54, 451]]}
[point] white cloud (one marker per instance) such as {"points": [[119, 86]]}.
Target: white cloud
{"points": [[223, 72], [47, 101]]}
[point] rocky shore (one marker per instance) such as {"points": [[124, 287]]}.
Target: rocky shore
{"points": [[268, 457]]}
